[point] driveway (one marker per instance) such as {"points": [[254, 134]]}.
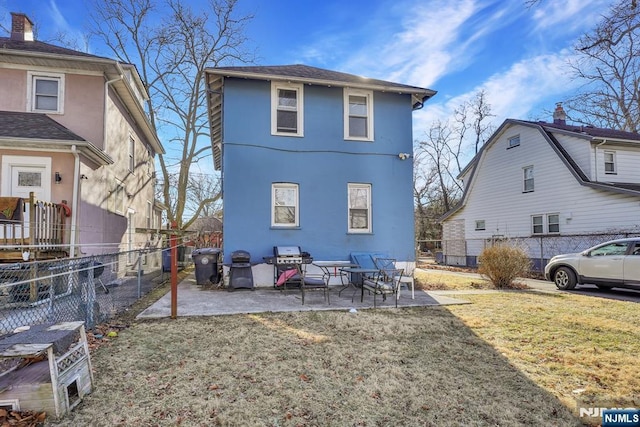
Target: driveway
{"points": [[543, 285]]}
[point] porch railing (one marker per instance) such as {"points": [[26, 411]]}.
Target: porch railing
{"points": [[37, 225]]}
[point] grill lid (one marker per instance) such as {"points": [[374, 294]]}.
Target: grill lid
{"points": [[286, 251]]}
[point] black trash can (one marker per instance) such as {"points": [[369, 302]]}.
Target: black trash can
{"points": [[207, 262], [240, 274]]}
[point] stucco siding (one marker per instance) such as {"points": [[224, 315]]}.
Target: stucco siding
{"points": [[322, 163]]}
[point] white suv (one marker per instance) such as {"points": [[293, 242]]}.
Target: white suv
{"points": [[608, 265]]}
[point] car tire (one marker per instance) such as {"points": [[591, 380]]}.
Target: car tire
{"points": [[565, 278]]}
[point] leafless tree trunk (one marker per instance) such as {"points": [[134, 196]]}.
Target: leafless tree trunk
{"points": [[609, 64], [171, 45]]}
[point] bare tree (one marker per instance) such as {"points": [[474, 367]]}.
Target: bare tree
{"points": [[609, 64], [172, 45]]}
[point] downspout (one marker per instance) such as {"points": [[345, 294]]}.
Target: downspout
{"points": [[104, 118], [74, 202], [595, 153]]}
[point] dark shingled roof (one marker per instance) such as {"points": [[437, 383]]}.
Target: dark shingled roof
{"points": [[33, 125], [41, 47], [311, 73], [591, 131]]}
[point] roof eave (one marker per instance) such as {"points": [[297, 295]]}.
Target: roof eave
{"points": [[86, 148]]}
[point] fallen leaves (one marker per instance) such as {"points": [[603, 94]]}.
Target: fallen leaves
{"points": [[22, 418]]}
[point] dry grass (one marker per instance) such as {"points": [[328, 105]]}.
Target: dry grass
{"points": [[572, 345], [373, 368], [444, 280]]}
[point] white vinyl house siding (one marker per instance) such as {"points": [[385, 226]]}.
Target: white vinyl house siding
{"points": [[496, 196], [627, 160], [579, 149]]}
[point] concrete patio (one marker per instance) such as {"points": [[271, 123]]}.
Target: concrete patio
{"points": [[195, 300]]}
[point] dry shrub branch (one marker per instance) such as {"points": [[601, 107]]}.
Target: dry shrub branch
{"points": [[503, 264]]}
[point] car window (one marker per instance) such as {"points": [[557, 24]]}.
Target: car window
{"points": [[636, 248], [610, 249]]}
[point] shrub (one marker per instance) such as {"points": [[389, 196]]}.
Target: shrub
{"points": [[502, 264]]}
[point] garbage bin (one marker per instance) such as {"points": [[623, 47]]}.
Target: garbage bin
{"points": [[166, 258], [206, 261]]}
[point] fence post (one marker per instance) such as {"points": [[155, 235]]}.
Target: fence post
{"points": [[139, 274], [91, 295], [173, 241]]}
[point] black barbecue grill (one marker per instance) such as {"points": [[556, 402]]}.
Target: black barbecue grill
{"points": [[287, 258], [240, 274]]}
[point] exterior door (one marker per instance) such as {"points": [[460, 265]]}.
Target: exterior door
{"points": [[26, 179]]}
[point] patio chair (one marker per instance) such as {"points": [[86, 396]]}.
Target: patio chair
{"points": [[386, 281], [407, 274], [313, 281]]}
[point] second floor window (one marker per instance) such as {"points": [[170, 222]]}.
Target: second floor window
{"points": [[610, 162], [118, 197], [286, 109], [132, 154], [284, 205], [358, 115], [528, 179], [480, 225], [46, 92]]}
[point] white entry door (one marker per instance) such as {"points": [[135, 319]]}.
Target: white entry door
{"points": [[22, 175]]}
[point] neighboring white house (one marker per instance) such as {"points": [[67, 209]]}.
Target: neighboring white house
{"points": [[553, 187]]}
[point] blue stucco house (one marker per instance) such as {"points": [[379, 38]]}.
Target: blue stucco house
{"points": [[313, 158]]}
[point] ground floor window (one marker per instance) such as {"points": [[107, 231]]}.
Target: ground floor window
{"points": [[284, 205], [359, 203]]}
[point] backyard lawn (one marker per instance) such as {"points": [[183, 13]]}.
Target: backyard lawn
{"points": [[510, 358]]}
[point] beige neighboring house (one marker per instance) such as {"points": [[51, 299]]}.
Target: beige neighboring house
{"points": [[73, 130]]}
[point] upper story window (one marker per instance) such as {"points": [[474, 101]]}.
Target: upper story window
{"points": [[359, 208], [45, 92], [610, 162], [528, 179], [514, 141], [287, 109], [284, 205], [118, 197], [132, 154], [358, 115]]}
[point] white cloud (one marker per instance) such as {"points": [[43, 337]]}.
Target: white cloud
{"points": [[569, 15]]}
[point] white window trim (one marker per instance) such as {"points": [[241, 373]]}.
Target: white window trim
{"points": [[299, 88], [275, 186], [118, 184], [31, 104], [369, 228], [524, 179], [545, 224], [542, 224], [548, 223], [513, 138], [131, 159], [480, 225], [613, 162], [369, 95]]}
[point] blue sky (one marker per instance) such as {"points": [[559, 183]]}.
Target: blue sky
{"points": [[518, 55]]}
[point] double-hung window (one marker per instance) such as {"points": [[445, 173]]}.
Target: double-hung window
{"points": [[358, 115], [552, 223], [284, 205], [118, 197], [528, 179], [132, 154], [610, 162], [287, 109], [359, 208], [45, 92]]}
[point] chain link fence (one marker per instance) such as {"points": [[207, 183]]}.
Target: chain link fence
{"points": [[90, 289], [464, 252]]}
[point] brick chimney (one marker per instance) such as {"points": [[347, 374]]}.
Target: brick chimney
{"points": [[21, 27], [559, 116]]}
